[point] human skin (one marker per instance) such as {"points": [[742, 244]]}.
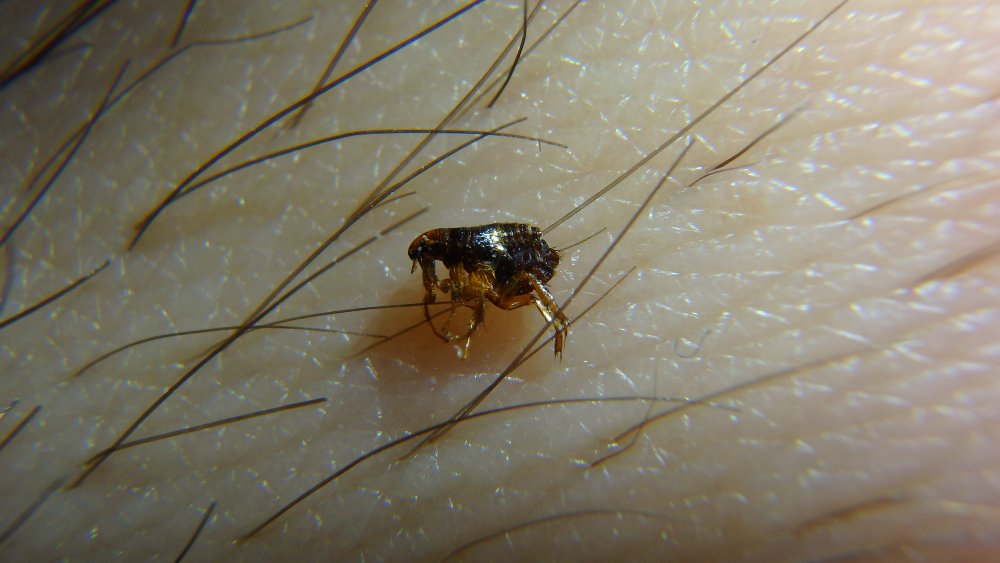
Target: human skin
{"points": [[834, 296]]}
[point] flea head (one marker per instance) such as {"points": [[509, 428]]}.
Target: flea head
{"points": [[426, 248]]}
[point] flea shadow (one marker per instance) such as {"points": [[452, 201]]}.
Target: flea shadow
{"points": [[497, 339]]}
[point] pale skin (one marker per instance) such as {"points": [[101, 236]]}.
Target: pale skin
{"points": [[835, 298]]}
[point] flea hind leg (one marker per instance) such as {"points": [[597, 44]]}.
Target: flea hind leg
{"points": [[546, 306], [549, 309]]}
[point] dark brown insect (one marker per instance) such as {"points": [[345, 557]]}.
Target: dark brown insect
{"points": [[505, 263]]}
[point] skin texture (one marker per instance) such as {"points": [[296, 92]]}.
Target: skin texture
{"points": [[836, 299]]}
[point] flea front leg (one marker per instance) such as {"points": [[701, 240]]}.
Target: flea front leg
{"points": [[430, 278], [431, 285]]}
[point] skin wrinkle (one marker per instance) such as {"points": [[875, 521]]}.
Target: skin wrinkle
{"points": [[821, 235]]}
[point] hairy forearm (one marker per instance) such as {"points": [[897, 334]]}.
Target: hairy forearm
{"points": [[825, 303]]}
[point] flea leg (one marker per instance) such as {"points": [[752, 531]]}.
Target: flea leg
{"points": [[480, 283], [546, 306], [431, 285], [510, 303], [550, 310], [478, 314], [431, 282], [457, 285]]}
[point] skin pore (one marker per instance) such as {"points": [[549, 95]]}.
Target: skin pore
{"points": [[832, 298]]}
